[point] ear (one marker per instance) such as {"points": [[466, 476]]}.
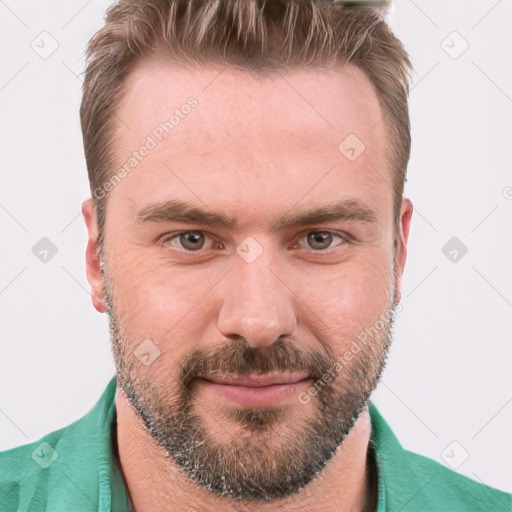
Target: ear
{"points": [[401, 239], [92, 259]]}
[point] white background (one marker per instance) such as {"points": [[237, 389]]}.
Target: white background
{"points": [[449, 374]]}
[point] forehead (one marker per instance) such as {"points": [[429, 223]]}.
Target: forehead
{"points": [[339, 98], [248, 136]]}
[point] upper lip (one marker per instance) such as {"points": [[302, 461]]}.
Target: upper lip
{"points": [[255, 380]]}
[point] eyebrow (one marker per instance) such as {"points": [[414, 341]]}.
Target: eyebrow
{"points": [[182, 211]]}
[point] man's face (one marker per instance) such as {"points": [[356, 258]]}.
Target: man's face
{"points": [[222, 325]]}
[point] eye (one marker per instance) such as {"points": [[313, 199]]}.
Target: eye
{"points": [[321, 240], [195, 241], [189, 240]]}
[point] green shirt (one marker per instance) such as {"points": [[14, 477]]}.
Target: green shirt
{"points": [[76, 469]]}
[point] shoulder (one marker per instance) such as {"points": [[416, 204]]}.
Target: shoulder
{"points": [[409, 481], [63, 469], [446, 489], [27, 470]]}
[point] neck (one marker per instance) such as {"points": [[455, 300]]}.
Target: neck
{"points": [[156, 482]]}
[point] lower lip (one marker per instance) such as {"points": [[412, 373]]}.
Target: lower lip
{"points": [[248, 397]]}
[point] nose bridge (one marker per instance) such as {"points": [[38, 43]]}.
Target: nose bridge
{"points": [[256, 304]]}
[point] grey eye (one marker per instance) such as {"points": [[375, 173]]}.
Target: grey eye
{"points": [[319, 239], [192, 241]]}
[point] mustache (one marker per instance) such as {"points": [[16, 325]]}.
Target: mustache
{"points": [[239, 358]]}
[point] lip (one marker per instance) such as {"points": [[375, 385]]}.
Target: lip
{"points": [[255, 390], [255, 380]]}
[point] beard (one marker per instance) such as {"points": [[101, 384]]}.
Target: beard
{"points": [[274, 452]]}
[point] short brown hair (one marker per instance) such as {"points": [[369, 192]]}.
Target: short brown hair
{"points": [[257, 35]]}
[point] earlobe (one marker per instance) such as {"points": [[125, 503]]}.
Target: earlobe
{"points": [[401, 240], [92, 259]]}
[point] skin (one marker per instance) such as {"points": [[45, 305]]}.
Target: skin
{"points": [[253, 149]]}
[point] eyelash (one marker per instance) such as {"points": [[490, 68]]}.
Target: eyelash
{"points": [[344, 240]]}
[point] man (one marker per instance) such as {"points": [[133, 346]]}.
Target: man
{"points": [[247, 238]]}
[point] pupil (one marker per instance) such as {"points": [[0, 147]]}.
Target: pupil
{"points": [[318, 239], [189, 240]]}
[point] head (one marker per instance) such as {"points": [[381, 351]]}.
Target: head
{"points": [[247, 162]]}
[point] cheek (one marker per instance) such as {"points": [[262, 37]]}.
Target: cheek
{"points": [[157, 301], [347, 301]]}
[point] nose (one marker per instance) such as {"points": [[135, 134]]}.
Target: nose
{"points": [[257, 305]]}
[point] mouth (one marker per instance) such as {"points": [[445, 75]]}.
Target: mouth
{"points": [[255, 390], [255, 380]]}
